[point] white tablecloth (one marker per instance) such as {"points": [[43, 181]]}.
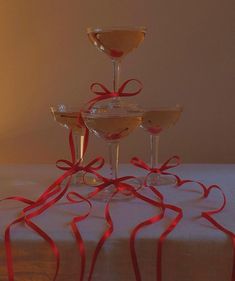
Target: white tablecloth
{"points": [[194, 251]]}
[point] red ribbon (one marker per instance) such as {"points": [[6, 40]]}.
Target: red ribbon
{"points": [[104, 93], [66, 165], [143, 224], [129, 190], [77, 166], [151, 221], [24, 218], [170, 163], [78, 236]]}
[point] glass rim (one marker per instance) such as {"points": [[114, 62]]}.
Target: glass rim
{"points": [[110, 28], [162, 108], [66, 107], [89, 113]]}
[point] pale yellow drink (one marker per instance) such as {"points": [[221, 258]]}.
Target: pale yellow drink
{"points": [[69, 120], [112, 128], [116, 43], [154, 121]]}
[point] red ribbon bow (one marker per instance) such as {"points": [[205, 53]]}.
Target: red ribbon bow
{"points": [[75, 166], [172, 162], [106, 94]]}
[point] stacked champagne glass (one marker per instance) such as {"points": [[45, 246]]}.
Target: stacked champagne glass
{"points": [[67, 117]]}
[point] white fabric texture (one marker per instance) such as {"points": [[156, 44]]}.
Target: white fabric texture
{"points": [[194, 251]]}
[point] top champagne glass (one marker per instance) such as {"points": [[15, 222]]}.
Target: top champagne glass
{"points": [[116, 42]]}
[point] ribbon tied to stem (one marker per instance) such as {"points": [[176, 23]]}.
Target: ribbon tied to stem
{"points": [[91, 167], [103, 93], [122, 186], [116, 186], [75, 165], [170, 163]]}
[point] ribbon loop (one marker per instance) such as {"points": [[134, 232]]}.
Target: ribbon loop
{"points": [[124, 85], [140, 163], [167, 164], [100, 85], [120, 92], [64, 164]]}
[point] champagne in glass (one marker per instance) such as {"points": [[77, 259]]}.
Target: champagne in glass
{"points": [[116, 42], [155, 121], [112, 128]]}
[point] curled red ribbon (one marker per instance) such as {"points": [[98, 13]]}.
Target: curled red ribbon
{"points": [[80, 243], [129, 190]]}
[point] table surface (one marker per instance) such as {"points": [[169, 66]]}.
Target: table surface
{"points": [[194, 251]]}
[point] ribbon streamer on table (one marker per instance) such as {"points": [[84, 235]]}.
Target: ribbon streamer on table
{"points": [[207, 215], [39, 206], [23, 218], [77, 219], [121, 187], [145, 223], [127, 189]]}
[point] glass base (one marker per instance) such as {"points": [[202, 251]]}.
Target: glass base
{"points": [[158, 180], [81, 179], [106, 194]]}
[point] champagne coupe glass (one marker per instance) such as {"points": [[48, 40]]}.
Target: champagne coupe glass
{"points": [[116, 42], [155, 121], [67, 116], [112, 125]]}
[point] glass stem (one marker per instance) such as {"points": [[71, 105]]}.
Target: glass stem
{"points": [[116, 75], [113, 158], [154, 148], [81, 144], [78, 143]]}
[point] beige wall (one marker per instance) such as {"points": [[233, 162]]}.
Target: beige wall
{"points": [[187, 58]]}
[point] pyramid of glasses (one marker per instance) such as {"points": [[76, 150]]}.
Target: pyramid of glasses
{"points": [[112, 119]]}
